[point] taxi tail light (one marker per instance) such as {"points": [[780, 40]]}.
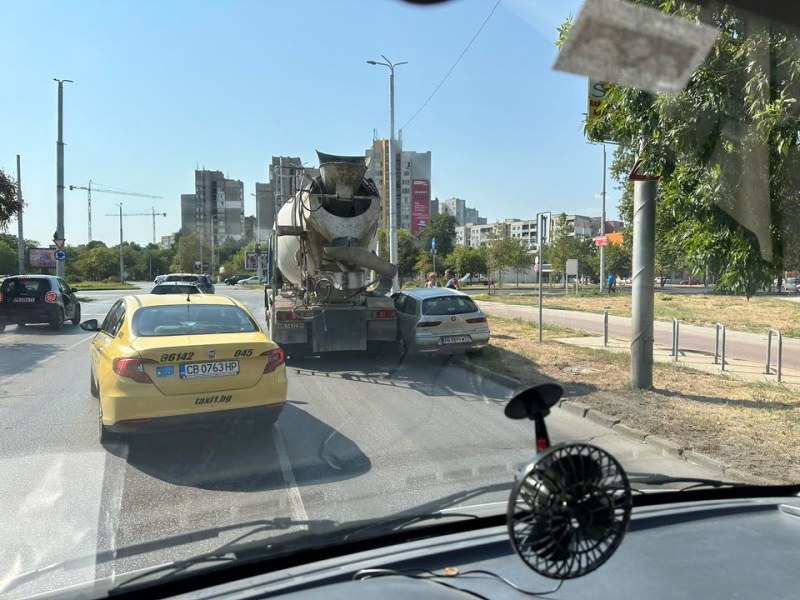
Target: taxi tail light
{"points": [[133, 368], [477, 320], [51, 297], [385, 314], [429, 323], [276, 357]]}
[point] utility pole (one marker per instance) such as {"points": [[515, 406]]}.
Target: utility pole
{"points": [[603, 227], [392, 170], [20, 238], [60, 171], [644, 236], [121, 256]]}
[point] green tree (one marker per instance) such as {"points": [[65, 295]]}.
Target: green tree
{"points": [[8, 258], [468, 260], [9, 203], [505, 252], [97, 263], [408, 252], [725, 148], [188, 252], [442, 227], [563, 245]]}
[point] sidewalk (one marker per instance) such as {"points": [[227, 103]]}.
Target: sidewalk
{"points": [[745, 352]]}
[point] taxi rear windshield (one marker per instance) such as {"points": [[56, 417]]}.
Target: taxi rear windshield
{"points": [[24, 287], [154, 321], [448, 305]]}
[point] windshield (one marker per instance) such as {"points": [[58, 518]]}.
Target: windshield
{"points": [[612, 197]]}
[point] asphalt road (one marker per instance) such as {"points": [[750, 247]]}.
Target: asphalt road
{"points": [[360, 437]]}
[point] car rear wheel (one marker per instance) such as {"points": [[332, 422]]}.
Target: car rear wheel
{"points": [[105, 435], [93, 386], [76, 319], [402, 346], [58, 321], [2, 326]]}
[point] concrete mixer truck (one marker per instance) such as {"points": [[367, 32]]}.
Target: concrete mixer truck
{"points": [[327, 289]]}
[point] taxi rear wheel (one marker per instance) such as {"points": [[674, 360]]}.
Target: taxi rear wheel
{"points": [[93, 386], [104, 434]]}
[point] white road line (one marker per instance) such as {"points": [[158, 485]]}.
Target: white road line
{"points": [[295, 501], [48, 359]]}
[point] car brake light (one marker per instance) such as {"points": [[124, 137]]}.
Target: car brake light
{"points": [[477, 320], [1, 296], [276, 358], [132, 368], [51, 297], [385, 314], [428, 323]]}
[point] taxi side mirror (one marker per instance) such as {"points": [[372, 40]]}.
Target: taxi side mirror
{"points": [[90, 325]]}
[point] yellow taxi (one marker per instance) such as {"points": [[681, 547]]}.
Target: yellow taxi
{"points": [[165, 361]]}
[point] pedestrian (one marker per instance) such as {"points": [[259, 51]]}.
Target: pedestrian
{"points": [[452, 282], [612, 283], [432, 280]]}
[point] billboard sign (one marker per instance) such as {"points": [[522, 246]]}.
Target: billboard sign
{"points": [[43, 258], [251, 260], [420, 205]]}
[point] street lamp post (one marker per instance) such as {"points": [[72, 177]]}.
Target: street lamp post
{"points": [[392, 173], [60, 171], [121, 256], [603, 226]]}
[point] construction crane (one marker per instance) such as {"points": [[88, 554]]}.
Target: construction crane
{"points": [[152, 213], [95, 188]]}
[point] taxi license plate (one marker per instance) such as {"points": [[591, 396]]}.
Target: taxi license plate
{"points": [[209, 369], [456, 339], [24, 299]]}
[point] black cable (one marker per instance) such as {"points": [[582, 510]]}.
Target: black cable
{"points": [[460, 56], [436, 578]]}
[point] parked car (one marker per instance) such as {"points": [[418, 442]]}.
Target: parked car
{"points": [[159, 279], [474, 279], [38, 299], [177, 287], [234, 279], [789, 285], [249, 281], [439, 321], [202, 280]]}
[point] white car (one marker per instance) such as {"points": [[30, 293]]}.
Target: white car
{"points": [[249, 281], [789, 285]]}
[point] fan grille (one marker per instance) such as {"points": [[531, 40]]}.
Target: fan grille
{"points": [[569, 510]]}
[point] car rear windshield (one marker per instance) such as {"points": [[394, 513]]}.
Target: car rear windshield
{"points": [[24, 287], [176, 289], [448, 305], [154, 321]]}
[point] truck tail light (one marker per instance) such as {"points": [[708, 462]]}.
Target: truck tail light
{"points": [[385, 314], [287, 316], [429, 323], [51, 297], [275, 358], [477, 320], [132, 368]]}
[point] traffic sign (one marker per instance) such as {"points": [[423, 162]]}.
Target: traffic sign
{"points": [[60, 254], [59, 242], [601, 240]]}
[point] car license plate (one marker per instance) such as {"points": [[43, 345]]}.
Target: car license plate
{"points": [[456, 339], [209, 369], [290, 325], [24, 299]]}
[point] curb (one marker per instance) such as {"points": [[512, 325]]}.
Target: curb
{"points": [[614, 424]]}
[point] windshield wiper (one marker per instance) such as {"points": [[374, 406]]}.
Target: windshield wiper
{"points": [[657, 479]]}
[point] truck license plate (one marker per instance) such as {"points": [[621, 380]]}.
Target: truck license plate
{"points": [[209, 369], [289, 325], [456, 339]]}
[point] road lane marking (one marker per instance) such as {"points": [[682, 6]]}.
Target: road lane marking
{"points": [[295, 501], [48, 359]]}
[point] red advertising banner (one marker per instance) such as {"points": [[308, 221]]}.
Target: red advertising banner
{"points": [[420, 205]]}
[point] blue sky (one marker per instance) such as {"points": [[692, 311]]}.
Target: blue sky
{"points": [[164, 87]]}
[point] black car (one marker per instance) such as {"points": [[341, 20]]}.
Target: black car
{"points": [[37, 299]]}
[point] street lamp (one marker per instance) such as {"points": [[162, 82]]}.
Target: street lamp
{"points": [[392, 174], [60, 170], [603, 223], [121, 256]]}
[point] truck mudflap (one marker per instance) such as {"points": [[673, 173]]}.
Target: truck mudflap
{"points": [[381, 319], [340, 329]]}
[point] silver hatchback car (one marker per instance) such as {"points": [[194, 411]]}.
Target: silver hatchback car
{"points": [[439, 321]]}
